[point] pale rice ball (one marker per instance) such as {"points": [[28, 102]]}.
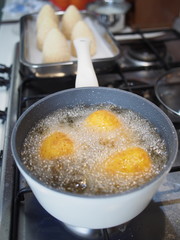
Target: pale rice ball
{"points": [[46, 12], [47, 25], [55, 48], [69, 19], [82, 30]]}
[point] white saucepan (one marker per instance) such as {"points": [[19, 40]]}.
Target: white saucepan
{"points": [[93, 211]]}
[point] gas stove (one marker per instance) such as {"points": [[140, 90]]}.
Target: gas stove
{"points": [[22, 217], [4, 86]]}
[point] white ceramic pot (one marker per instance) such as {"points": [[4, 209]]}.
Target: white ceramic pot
{"points": [[93, 211]]}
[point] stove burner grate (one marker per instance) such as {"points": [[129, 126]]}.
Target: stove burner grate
{"points": [[147, 52], [141, 52]]}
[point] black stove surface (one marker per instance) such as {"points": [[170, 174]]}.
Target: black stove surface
{"points": [[159, 221], [27, 220]]}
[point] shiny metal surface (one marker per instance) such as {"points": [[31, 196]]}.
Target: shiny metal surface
{"points": [[40, 69], [111, 14], [167, 90]]}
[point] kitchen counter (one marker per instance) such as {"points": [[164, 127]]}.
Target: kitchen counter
{"points": [[9, 33]]}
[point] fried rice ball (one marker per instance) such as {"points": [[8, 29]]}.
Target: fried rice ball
{"points": [[69, 19], [55, 47], [82, 30], [56, 145], [132, 160], [46, 12], [103, 120]]}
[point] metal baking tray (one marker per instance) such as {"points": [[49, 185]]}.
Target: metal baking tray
{"points": [[31, 57]]}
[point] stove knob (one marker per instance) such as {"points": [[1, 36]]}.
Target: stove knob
{"points": [[5, 69], [4, 82]]}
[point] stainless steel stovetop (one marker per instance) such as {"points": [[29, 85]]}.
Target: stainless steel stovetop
{"points": [[22, 217]]}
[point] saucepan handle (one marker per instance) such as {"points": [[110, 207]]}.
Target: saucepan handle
{"points": [[86, 76]]}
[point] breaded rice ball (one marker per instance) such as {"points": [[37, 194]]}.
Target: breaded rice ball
{"points": [[103, 120], [55, 47], [56, 145], [69, 19], [43, 30], [82, 30], [46, 12], [132, 160]]}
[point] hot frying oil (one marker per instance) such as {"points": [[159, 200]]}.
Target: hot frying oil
{"points": [[78, 151]]}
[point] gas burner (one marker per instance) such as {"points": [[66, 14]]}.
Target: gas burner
{"points": [[142, 54], [96, 234]]}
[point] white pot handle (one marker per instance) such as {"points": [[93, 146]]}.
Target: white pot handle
{"points": [[86, 76]]}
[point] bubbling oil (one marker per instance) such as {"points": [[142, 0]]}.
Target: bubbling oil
{"points": [[83, 170]]}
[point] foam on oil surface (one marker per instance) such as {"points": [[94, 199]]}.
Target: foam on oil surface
{"points": [[78, 172]]}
